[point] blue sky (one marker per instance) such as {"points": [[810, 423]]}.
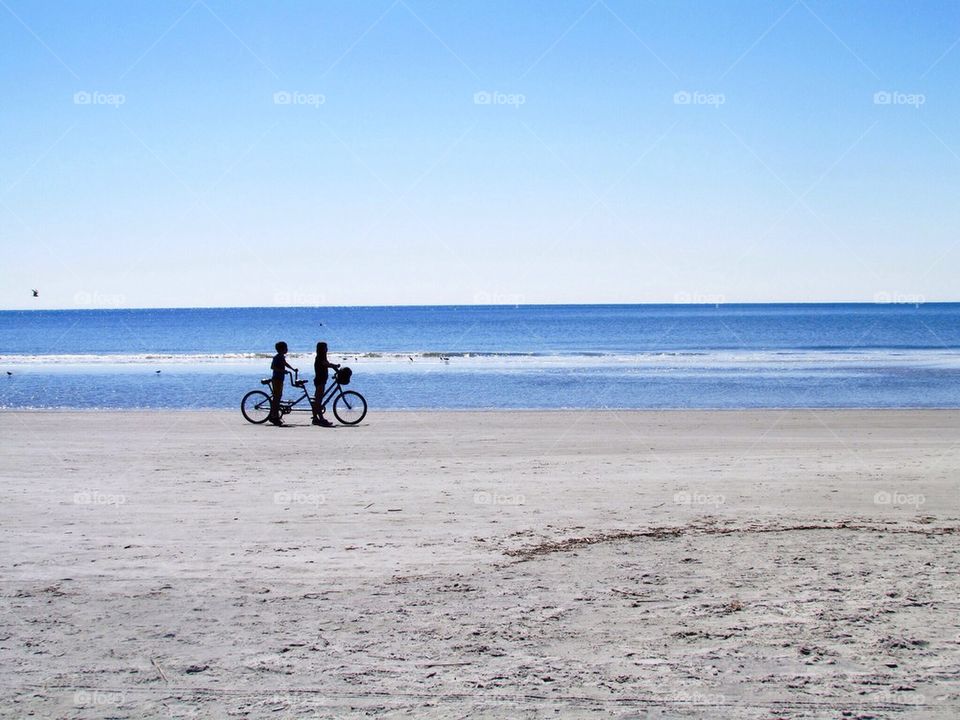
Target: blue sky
{"points": [[377, 152]]}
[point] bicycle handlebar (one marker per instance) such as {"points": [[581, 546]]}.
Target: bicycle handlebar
{"points": [[295, 375]]}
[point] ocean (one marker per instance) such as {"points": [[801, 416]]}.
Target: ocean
{"points": [[490, 357]]}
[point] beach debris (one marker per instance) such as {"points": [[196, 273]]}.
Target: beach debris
{"points": [[35, 293], [636, 596], [901, 643], [159, 669], [193, 669], [662, 533]]}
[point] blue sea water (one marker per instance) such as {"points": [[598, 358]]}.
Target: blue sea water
{"points": [[579, 356]]}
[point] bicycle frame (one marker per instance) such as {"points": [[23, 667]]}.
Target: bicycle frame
{"points": [[286, 406], [330, 393]]}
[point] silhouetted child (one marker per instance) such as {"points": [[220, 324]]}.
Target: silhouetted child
{"points": [[279, 367], [320, 376]]}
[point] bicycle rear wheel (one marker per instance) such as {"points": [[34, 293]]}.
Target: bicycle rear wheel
{"points": [[349, 407], [255, 406]]}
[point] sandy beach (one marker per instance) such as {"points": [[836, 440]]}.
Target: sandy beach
{"points": [[692, 564]]}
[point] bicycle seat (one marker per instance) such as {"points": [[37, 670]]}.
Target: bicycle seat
{"points": [[266, 381], [300, 383]]}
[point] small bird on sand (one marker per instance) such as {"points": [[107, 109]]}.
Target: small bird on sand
{"points": [[9, 373], [157, 371], [35, 293]]}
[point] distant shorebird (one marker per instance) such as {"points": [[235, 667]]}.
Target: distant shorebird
{"points": [[35, 293], [157, 372], [9, 373]]}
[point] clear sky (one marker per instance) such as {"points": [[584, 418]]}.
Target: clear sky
{"points": [[220, 152]]}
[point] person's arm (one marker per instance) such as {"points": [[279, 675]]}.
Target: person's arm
{"points": [[290, 366]]}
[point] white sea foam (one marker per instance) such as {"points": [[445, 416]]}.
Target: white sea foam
{"points": [[711, 359]]}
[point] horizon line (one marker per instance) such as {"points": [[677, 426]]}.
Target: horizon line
{"points": [[895, 303]]}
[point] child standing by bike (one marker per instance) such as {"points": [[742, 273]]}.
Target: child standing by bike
{"points": [[279, 367], [320, 376]]}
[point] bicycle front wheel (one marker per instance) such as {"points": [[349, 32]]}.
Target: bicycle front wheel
{"points": [[350, 407], [255, 406]]}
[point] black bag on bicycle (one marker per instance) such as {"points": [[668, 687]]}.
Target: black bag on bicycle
{"points": [[343, 375]]}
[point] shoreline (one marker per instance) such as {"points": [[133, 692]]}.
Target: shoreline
{"points": [[525, 410]]}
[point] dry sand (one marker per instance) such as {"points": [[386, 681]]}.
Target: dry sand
{"points": [[505, 564]]}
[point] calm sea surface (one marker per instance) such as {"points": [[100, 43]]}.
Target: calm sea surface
{"points": [[618, 356]]}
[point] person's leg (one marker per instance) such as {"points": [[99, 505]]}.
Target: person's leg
{"points": [[275, 400], [323, 420], [319, 386]]}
